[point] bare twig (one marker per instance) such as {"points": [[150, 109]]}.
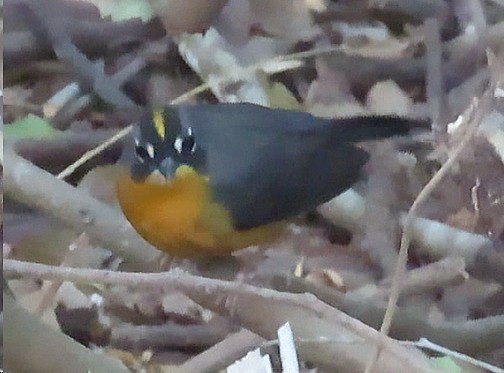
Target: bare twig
{"points": [[91, 73], [142, 337], [425, 343], [222, 354], [69, 260], [482, 109], [434, 80], [309, 317], [434, 238], [446, 272], [36, 347], [182, 98], [477, 112], [33, 186], [91, 33], [472, 336], [63, 149], [90, 154]]}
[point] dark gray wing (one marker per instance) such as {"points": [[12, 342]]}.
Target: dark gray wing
{"points": [[267, 165]]}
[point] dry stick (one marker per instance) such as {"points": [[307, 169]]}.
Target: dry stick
{"points": [[34, 346], [481, 109], [222, 354], [499, 227], [471, 337], [425, 343], [434, 79], [191, 93], [242, 301], [121, 134], [52, 289], [17, 269], [185, 96], [169, 335], [94, 152], [50, 293], [39, 189], [108, 88], [445, 272]]}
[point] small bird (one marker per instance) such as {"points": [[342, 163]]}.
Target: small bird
{"points": [[205, 180]]}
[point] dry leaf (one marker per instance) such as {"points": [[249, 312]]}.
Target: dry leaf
{"points": [[387, 97]]}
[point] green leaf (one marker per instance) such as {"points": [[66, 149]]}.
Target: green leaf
{"points": [[446, 364], [279, 97], [29, 127]]}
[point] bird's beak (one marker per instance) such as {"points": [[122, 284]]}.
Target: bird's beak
{"points": [[156, 177], [167, 168]]}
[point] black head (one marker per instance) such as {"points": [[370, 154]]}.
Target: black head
{"points": [[162, 143]]}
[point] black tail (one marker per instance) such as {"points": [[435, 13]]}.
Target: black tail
{"points": [[357, 129]]}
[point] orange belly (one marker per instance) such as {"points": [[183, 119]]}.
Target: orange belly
{"points": [[179, 218]]}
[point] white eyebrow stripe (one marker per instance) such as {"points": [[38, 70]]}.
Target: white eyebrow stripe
{"points": [[177, 144], [150, 150]]}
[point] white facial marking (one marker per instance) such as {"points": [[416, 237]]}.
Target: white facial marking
{"points": [[178, 144], [150, 150]]}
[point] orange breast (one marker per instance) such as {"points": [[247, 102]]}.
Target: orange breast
{"points": [[179, 217]]}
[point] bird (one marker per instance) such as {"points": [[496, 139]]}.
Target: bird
{"points": [[208, 179]]}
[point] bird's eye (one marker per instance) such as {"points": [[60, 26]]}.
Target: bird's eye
{"points": [[145, 151], [185, 145]]}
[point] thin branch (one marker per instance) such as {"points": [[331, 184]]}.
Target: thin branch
{"points": [[91, 33], [222, 354], [482, 109], [433, 238], [434, 80], [90, 73], [90, 154], [477, 111], [35, 347], [425, 343], [470, 336], [37, 188], [446, 272], [246, 304], [184, 97], [170, 335]]}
